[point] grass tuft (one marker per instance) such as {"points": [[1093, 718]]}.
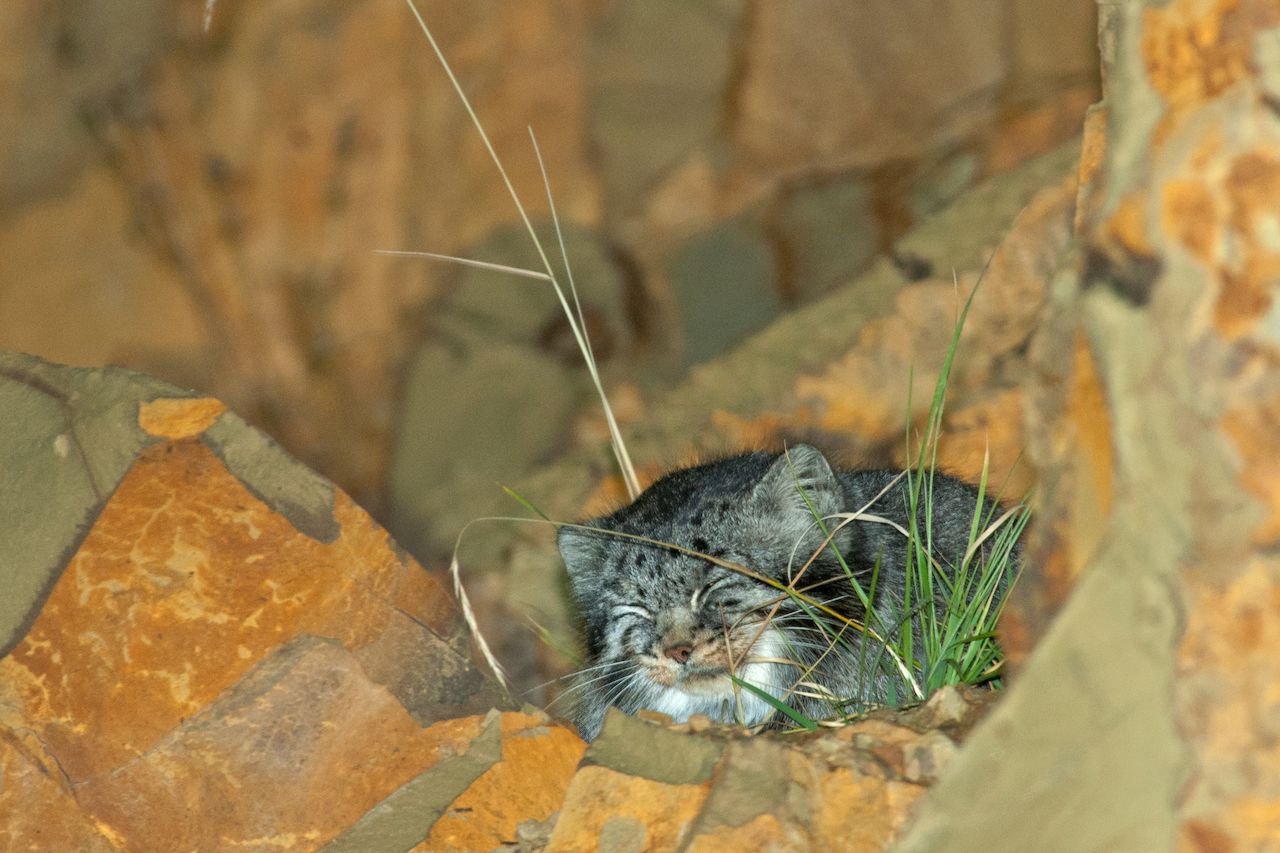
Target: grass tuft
{"points": [[956, 607]]}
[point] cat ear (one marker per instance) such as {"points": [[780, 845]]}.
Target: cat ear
{"points": [[583, 553], [801, 472], [798, 486]]}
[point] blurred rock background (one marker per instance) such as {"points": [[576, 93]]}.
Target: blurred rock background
{"points": [[205, 206]]}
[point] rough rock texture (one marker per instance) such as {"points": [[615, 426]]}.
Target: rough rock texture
{"points": [[201, 636], [1145, 718], [694, 788]]}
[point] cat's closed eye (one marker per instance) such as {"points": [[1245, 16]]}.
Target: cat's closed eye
{"points": [[620, 610]]}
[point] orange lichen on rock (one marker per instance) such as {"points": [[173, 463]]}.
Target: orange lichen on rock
{"points": [[1249, 282], [1189, 215], [1125, 230], [1228, 650], [643, 786], [1092, 459], [1251, 430], [1071, 440], [1093, 148], [989, 432], [762, 832], [1193, 50], [763, 430], [185, 581], [1224, 208], [855, 812], [634, 812], [179, 417], [1037, 130], [528, 784]]}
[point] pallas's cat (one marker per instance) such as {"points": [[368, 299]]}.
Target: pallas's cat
{"points": [[665, 628]]}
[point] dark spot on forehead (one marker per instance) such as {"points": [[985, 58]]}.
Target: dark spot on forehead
{"points": [[699, 544]]}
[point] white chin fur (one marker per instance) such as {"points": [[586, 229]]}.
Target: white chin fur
{"points": [[723, 707]]}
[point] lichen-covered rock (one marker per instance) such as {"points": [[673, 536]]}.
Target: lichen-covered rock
{"points": [[1145, 719], [209, 646], [702, 788]]}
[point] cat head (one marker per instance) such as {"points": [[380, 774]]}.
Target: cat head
{"points": [[665, 626]]}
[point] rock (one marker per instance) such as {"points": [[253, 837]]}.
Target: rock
{"points": [[526, 788], [202, 635], [813, 91], [55, 61], [1145, 718], [141, 319], [251, 764], [942, 183], [666, 63], [475, 416], [724, 285], [827, 233], [953, 709], [1038, 129], [205, 206], [926, 759], [645, 786], [38, 806]]}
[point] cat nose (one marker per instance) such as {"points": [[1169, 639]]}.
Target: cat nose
{"points": [[678, 652]]}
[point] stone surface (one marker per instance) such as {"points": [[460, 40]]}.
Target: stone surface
{"points": [[813, 91], [68, 440], [666, 62], [259, 762], [703, 788], [724, 286], [54, 60], [459, 399], [205, 634], [39, 809], [1144, 715], [528, 785], [827, 233]]}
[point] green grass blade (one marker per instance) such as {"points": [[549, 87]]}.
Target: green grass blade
{"points": [[524, 502], [781, 707]]}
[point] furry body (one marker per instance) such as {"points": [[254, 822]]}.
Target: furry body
{"points": [[664, 628]]}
